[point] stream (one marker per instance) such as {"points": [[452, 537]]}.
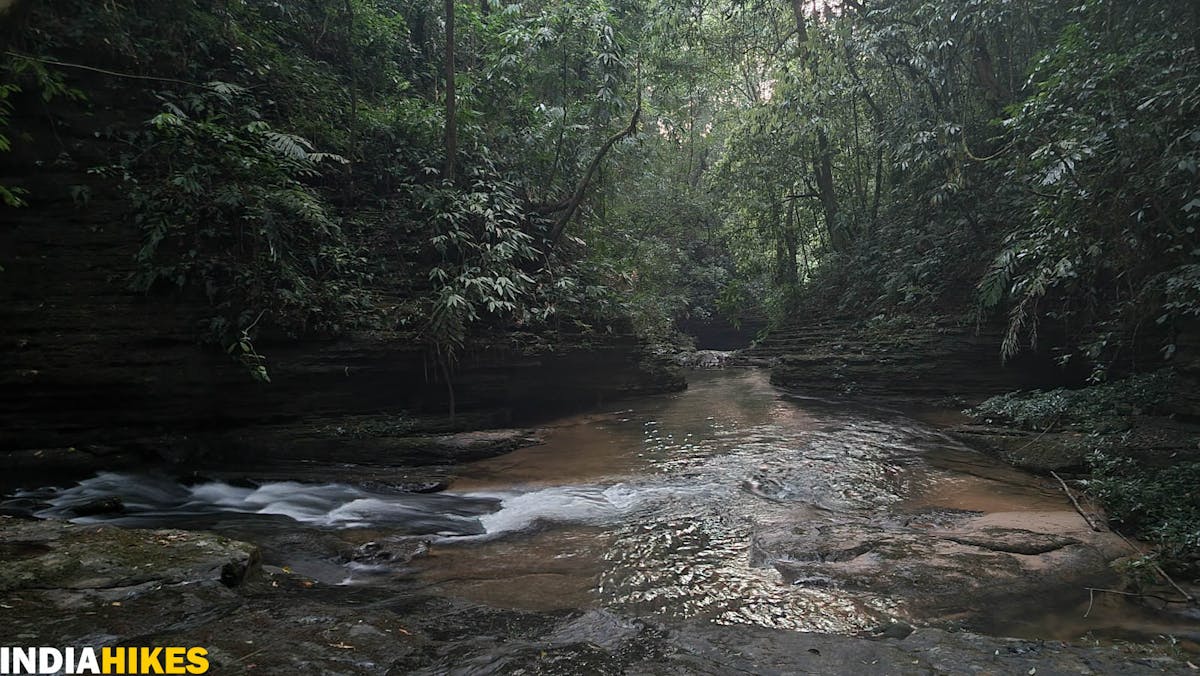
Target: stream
{"points": [[730, 503]]}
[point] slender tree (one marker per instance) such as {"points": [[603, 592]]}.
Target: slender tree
{"points": [[451, 143]]}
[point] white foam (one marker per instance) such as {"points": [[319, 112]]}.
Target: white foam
{"points": [[580, 504], [151, 500]]}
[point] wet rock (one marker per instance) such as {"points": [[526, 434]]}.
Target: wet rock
{"points": [[955, 567], [109, 505], [389, 551], [899, 630], [468, 446], [598, 628], [43, 461], [356, 440], [57, 555], [1035, 451], [424, 487], [1012, 540], [704, 359]]}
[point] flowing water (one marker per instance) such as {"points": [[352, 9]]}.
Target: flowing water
{"points": [[655, 509]]}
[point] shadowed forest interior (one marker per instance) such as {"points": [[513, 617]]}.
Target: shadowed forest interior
{"points": [[241, 233]]}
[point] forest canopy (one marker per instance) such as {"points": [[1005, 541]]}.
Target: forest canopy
{"points": [[467, 167]]}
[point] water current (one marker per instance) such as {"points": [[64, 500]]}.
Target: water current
{"points": [[701, 504]]}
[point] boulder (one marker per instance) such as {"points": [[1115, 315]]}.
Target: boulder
{"points": [[41, 555]]}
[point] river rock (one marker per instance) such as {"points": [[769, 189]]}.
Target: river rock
{"points": [[392, 550], [424, 487], [40, 555], [950, 566], [109, 505], [704, 359]]}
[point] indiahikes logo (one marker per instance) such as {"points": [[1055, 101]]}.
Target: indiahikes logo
{"points": [[123, 660]]}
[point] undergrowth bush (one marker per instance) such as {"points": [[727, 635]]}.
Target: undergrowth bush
{"points": [[1089, 407], [225, 207], [1157, 504]]}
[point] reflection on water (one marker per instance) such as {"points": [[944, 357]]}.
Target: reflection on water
{"points": [[651, 510]]}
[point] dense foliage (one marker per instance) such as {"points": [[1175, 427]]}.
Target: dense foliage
{"points": [[285, 161], [1041, 153], [1158, 504], [1084, 409], [878, 157]]}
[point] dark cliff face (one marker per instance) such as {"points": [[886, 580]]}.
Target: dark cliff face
{"points": [[95, 375], [92, 374], [921, 362], [86, 364]]}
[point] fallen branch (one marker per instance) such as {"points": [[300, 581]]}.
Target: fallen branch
{"points": [[1078, 508], [1134, 594], [1188, 598], [1158, 569]]}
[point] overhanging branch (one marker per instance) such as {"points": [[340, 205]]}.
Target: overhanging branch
{"points": [[572, 204]]}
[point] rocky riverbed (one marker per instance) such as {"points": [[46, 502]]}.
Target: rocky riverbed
{"points": [[694, 533], [80, 585]]}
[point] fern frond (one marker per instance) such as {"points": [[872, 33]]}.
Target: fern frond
{"points": [[290, 146], [226, 88], [327, 157]]}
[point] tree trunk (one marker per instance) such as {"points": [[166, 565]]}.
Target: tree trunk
{"points": [[777, 226], [352, 121], [572, 204], [823, 170], [986, 74], [801, 26], [790, 242], [451, 112], [13, 14], [823, 156]]}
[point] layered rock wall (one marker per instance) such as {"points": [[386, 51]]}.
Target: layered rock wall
{"points": [[898, 360], [93, 374]]}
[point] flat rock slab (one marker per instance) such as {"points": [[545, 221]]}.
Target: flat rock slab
{"points": [[53, 555], [75, 585], [599, 642], [1035, 451], [717, 650], [369, 444], [947, 566]]}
